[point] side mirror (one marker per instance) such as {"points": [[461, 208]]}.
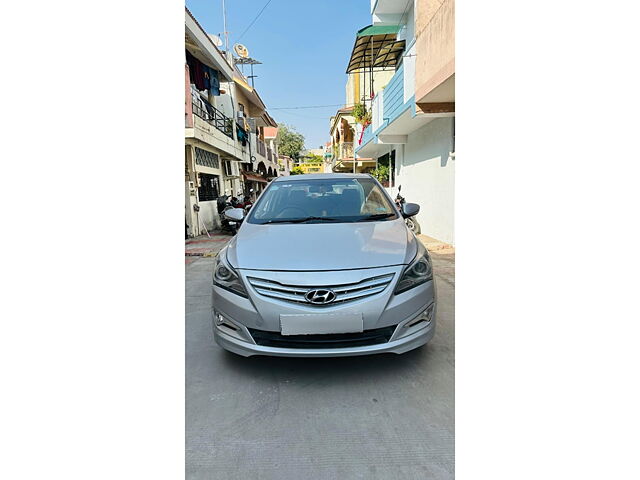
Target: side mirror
{"points": [[236, 214], [410, 209]]}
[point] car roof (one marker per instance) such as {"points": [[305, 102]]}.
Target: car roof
{"points": [[320, 176]]}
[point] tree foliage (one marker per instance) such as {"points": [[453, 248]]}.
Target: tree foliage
{"points": [[289, 141], [296, 171], [312, 158]]}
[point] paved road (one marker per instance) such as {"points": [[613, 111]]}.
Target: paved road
{"points": [[375, 417]]}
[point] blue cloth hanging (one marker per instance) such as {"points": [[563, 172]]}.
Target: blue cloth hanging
{"points": [[211, 80]]}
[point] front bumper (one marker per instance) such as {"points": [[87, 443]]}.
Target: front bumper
{"points": [[411, 333], [401, 345], [236, 317]]}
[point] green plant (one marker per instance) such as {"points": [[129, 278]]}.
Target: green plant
{"points": [[361, 114], [381, 173], [296, 171]]}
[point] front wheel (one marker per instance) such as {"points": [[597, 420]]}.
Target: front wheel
{"points": [[413, 225]]}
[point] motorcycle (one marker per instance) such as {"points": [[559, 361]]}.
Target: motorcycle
{"points": [[225, 203], [412, 223]]}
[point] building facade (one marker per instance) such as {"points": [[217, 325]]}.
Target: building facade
{"points": [[225, 121], [412, 130]]}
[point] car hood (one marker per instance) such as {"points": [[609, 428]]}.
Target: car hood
{"points": [[322, 246]]}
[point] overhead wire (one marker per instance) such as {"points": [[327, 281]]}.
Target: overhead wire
{"points": [[253, 21], [311, 106]]}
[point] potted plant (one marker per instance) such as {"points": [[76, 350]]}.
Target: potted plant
{"points": [[381, 173], [361, 114]]}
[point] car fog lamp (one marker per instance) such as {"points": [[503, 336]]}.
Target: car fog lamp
{"points": [[425, 316]]}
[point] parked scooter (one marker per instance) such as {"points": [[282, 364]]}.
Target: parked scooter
{"points": [[411, 222], [225, 203]]}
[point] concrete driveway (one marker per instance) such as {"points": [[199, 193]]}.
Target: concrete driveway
{"points": [[375, 417]]}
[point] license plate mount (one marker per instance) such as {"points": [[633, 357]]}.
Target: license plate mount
{"points": [[321, 323]]}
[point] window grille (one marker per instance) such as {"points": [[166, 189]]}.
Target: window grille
{"points": [[209, 187], [207, 159]]}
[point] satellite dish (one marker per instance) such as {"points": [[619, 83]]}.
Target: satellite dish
{"points": [[241, 50], [215, 39]]}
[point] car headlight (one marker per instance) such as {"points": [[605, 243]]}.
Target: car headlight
{"points": [[418, 272], [226, 277]]}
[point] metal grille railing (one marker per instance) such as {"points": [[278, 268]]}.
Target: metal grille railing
{"points": [[345, 150], [213, 116], [207, 159], [261, 148]]}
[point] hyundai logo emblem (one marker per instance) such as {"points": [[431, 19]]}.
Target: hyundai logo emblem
{"points": [[320, 296]]}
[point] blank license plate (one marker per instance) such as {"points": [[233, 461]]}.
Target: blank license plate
{"points": [[315, 324]]}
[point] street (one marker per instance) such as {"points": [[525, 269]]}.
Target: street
{"points": [[373, 417]]}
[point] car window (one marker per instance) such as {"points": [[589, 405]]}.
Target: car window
{"points": [[338, 200]]}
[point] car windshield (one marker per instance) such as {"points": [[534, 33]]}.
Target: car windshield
{"points": [[323, 201]]}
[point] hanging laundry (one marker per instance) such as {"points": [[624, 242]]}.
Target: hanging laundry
{"points": [[196, 71], [211, 82], [214, 82], [242, 135]]}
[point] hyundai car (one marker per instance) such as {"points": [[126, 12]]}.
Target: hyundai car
{"points": [[323, 265]]}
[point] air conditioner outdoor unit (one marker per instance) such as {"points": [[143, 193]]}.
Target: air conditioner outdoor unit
{"points": [[231, 169]]}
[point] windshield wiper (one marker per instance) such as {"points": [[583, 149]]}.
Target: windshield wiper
{"points": [[377, 216], [300, 220]]}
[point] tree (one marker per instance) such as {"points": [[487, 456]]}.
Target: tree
{"points": [[289, 141], [312, 158]]}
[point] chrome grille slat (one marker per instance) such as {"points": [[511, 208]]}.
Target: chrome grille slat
{"points": [[360, 293], [344, 292], [281, 295], [277, 286]]}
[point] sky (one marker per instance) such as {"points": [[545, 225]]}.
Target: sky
{"points": [[304, 47]]}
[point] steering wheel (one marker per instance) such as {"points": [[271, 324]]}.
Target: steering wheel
{"points": [[285, 209]]}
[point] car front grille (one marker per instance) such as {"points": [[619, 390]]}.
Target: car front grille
{"points": [[348, 292], [334, 340]]}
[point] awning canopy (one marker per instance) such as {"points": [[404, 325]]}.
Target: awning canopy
{"points": [[376, 47], [253, 177]]}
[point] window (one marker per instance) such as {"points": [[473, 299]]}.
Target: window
{"points": [[388, 160], [207, 159], [209, 187], [324, 200]]}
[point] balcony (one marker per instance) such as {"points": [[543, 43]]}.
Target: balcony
{"points": [[393, 99], [435, 56], [367, 135], [344, 150], [213, 116]]}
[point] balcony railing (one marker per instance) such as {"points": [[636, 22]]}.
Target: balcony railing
{"points": [[213, 116], [345, 150], [262, 149], [393, 98]]}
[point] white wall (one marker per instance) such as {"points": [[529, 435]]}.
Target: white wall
{"points": [[426, 173], [208, 215]]}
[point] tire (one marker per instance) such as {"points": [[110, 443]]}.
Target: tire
{"points": [[413, 225]]}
